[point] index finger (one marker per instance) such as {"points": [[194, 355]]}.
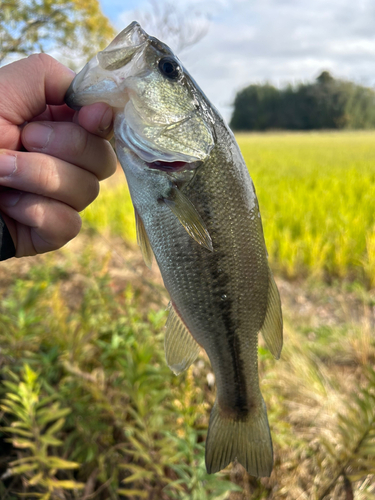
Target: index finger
{"points": [[96, 118], [56, 114]]}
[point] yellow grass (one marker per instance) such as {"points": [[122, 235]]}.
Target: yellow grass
{"points": [[317, 198]]}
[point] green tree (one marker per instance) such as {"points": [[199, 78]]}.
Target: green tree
{"points": [[255, 108], [28, 26], [325, 77], [327, 103]]}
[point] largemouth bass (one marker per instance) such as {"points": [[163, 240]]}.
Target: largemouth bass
{"points": [[197, 212]]}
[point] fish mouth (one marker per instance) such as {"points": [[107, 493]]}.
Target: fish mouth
{"points": [[167, 142], [172, 166], [130, 36], [153, 157], [98, 81]]}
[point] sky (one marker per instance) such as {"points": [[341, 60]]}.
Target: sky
{"points": [[258, 41]]}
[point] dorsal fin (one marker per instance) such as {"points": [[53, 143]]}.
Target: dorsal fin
{"points": [[143, 241], [272, 329], [186, 213], [181, 349]]}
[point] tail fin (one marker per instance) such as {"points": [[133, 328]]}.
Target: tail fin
{"points": [[248, 441]]}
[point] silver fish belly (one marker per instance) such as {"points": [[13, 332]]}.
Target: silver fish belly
{"points": [[197, 212]]}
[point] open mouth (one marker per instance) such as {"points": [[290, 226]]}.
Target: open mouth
{"points": [[168, 166]]}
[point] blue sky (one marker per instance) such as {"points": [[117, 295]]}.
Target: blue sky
{"points": [[279, 41]]}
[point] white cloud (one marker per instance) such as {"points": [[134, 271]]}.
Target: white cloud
{"points": [[279, 41]]}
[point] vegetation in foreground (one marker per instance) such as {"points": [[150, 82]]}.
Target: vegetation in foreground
{"points": [[89, 409]]}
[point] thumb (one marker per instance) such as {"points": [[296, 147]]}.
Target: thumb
{"points": [[28, 85]]}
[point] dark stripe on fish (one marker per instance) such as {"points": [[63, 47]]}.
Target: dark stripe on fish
{"points": [[238, 407]]}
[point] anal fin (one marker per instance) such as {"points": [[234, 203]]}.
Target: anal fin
{"points": [[181, 349], [272, 329], [190, 219], [143, 241]]}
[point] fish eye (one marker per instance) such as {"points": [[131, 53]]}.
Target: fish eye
{"points": [[170, 68]]}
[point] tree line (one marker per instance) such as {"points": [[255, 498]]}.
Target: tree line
{"points": [[327, 103]]}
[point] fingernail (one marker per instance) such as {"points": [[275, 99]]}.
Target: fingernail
{"points": [[106, 121], [9, 198], [7, 165], [36, 135]]}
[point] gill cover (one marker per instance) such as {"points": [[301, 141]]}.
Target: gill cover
{"points": [[162, 119]]}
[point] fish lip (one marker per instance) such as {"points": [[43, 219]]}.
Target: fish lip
{"points": [[87, 89], [71, 96], [132, 27], [137, 36], [85, 85]]}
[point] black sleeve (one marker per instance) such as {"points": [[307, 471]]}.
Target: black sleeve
{"points": [[7, 249]]}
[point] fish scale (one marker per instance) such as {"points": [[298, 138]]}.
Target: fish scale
{"points": [[197, 212]]}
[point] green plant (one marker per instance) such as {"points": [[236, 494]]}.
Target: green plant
{"points": [[35, 423]]}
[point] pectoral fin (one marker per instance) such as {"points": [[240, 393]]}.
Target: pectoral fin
{"points": [[189, 218], [180, 347], [143, 241], [272, 329]]}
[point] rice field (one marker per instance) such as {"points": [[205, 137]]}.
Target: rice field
{"points": [[317, 198]]}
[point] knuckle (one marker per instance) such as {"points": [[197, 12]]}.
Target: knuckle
{"points": [[40, 63], [38, 211], [93, 189], [47, 179], [110, 161], [72, 226], [91, 192], [40, 59], [78, 141], [63, 226]]}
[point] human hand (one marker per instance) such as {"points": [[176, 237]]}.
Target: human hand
{"points": [[54, 162]]}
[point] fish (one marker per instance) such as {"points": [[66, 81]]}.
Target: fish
{"points": [[197, 213]]}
